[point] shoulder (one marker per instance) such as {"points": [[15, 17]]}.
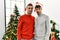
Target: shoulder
{"points": [[46, 16], [33, 17], [22, 16]]}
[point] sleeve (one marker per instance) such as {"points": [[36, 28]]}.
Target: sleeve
{"points": [[20, 23], [48, 29], [34, 27]]}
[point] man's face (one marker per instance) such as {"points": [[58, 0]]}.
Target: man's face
{"points": [[38, 10], [29, 9]]}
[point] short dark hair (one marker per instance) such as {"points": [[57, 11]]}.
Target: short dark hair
{"points": [[37, 6], [29, 4]]}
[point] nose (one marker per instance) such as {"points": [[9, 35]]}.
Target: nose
{"points": [[30, 9]]}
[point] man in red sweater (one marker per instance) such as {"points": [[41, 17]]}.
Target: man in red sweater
{"points": [[25, 29]]}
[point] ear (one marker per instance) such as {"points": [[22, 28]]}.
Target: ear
{"points": [[41, 8], [25, 9], [34, 10]]}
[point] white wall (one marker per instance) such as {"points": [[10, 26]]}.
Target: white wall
{"points": [[2, 25]]}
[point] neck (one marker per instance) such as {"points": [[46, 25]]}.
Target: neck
{"points": [[28, 14]]}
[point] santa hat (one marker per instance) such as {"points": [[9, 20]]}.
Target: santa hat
{"points": [[37, 3]]}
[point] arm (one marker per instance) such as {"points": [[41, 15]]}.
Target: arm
{"points": [[34, 28], [20, 22], [47, 28]]}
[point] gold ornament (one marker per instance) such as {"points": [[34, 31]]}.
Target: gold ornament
{"points": [[6, 36]]}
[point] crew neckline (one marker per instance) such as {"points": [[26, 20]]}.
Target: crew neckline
{"points": [[27, 15]]}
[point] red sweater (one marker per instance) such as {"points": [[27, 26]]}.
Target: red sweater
{"points": [[25, 27]]}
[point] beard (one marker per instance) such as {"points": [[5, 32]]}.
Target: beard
{"points": [[38, 13], [30, 12]]}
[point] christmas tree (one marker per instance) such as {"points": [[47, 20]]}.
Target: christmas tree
{"points": [[53, 29], [11, 30]]}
